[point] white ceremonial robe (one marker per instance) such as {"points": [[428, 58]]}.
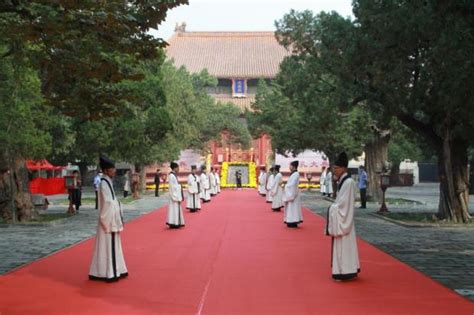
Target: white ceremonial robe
{"points": [[212, 184], [262, 181], [322, 182], [269, 187], [108, 262], [328, 183], [340, 225], [205, 188], [175, 212], [277, 192], [193, 202], [218, 181], [292, 200]]}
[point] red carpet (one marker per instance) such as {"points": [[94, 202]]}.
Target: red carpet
{"points": [[234, 257]]}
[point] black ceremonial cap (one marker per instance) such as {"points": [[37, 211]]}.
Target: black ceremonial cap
{"points": [[342, 160], [106, 163]]}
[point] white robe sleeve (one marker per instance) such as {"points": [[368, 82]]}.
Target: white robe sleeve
{"points": [[192, 184], [275, 184], [291, 188], [175, 189], [110, 211], [206, 182], [341, 213]]}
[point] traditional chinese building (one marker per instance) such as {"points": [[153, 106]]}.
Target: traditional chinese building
{"points": [[238, 60]]}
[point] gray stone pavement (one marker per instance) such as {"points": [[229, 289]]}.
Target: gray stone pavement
{"points": [[21, 244], [446, 254]]}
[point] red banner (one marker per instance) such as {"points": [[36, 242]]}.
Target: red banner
{"points": [[47, 186]]}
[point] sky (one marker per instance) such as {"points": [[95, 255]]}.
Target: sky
{"points": [[241, 15]]}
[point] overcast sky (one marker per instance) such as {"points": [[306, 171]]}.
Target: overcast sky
{"points": [[242, 15]]}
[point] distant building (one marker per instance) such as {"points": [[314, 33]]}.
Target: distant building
{"points": [[238, 60]]}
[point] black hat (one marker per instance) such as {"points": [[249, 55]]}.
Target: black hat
{"points": [[173, 165], [295, 163], [277, 167], [342, 160], [106, 163], [193, 167]]}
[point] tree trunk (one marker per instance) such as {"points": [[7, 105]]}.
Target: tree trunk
{"points": [[454, 180], [15, 197], [139, 168], [83, 171], [376, 153]]}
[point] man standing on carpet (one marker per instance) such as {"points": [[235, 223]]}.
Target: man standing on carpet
{"points": [[218, 182], [205, 185], [270, 178], [108, 263], [322, 181], [193, 202], [340, 224], [291, 198], [328, 182], [212, 183], [238, 179], [175, 212], [276, 191], [262, 181]]}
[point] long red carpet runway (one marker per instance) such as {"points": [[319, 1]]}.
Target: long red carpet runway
{"points": [[234, 257]]}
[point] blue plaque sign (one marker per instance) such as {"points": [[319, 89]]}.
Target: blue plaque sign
{"points": [[239, 86]]}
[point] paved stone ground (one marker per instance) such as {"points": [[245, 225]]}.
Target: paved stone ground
{"points": [[444, 254], [21, 244]]}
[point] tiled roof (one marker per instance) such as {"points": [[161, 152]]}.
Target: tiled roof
{"points": [[241, 103], [239, 55]]}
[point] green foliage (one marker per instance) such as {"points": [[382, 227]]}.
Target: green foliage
{"points": [[404, 144], [417, 56], [24, 117], [83, 48], [300, 111]]}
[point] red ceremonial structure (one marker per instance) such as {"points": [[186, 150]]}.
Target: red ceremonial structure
{"points": [[51, 185], [231, 258]]}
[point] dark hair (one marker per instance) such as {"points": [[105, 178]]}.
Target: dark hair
{"points": [[75, 172]]}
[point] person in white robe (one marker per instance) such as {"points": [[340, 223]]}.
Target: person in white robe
{"points": [[193, 201], [322, 181], [328, 183], [291, 198], [175, 217], [270, 178], [218, 181], [205, 186], [212, 183], [340, 224], [108, 263], [277, 191], [262, 182]]}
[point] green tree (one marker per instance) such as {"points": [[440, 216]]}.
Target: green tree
{"points": [[403, 60], [81, 51], [23, 135], [417, 58]]}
